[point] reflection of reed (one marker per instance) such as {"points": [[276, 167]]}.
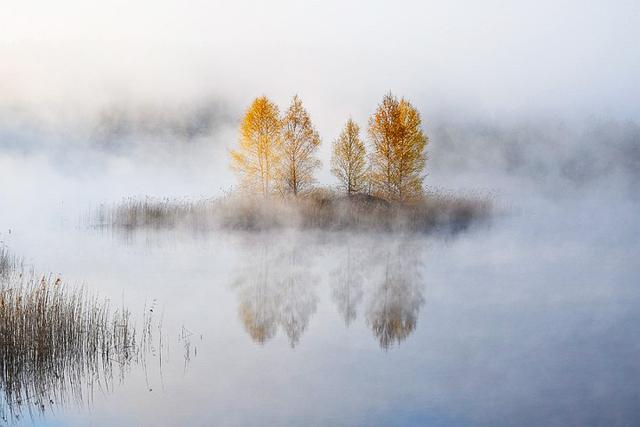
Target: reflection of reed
{"points": [[53, 341], [396, 299], [276, 293]]}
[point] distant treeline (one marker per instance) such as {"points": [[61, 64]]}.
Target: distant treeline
{"points": [[277, 154]]}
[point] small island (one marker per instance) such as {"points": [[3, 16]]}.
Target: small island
{"points": [[380, 180]]}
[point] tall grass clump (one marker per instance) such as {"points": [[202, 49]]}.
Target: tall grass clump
{"points": [[8, 261], [55, 341], [154, 213]]}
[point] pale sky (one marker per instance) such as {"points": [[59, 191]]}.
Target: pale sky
{"points": [[491, 57]]}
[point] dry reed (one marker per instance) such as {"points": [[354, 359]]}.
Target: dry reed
{"points": [[56, 341]]}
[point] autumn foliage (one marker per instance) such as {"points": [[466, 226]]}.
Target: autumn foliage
{"points": [[277, 155], [300, 142], [398, 158], [258, 157], [380, 185], [348, 162]]}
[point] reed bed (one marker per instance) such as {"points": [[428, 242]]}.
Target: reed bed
{"points": [[8, 261], [57, 343], [319, 210], [154, 213]]}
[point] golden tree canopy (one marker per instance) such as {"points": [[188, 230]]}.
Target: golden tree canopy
{"points": [[258, 156], [348, 162], [300, 142], [398, 158]]}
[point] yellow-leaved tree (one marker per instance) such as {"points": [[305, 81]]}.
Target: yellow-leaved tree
{"points": [[258, 157], [348, 162], [398, 155], [300, 142]]}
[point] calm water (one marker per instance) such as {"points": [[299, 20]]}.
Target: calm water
{"points": [[531, 320]]}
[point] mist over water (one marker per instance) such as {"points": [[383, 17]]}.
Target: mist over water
{"points": [[527, 319]]}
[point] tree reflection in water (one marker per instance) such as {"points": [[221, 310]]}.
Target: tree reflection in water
{"points": [[346, 283], [276, 290], [258, 300], [276, 287], [396, 297]]}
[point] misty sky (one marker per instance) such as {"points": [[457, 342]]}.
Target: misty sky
{"points": [[492, 58], [533, 104]]}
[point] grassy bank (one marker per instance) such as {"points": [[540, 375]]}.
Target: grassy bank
{"points": [[319, 210]]}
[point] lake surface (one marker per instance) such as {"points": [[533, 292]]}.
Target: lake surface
{"points": [[530, 320]]}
